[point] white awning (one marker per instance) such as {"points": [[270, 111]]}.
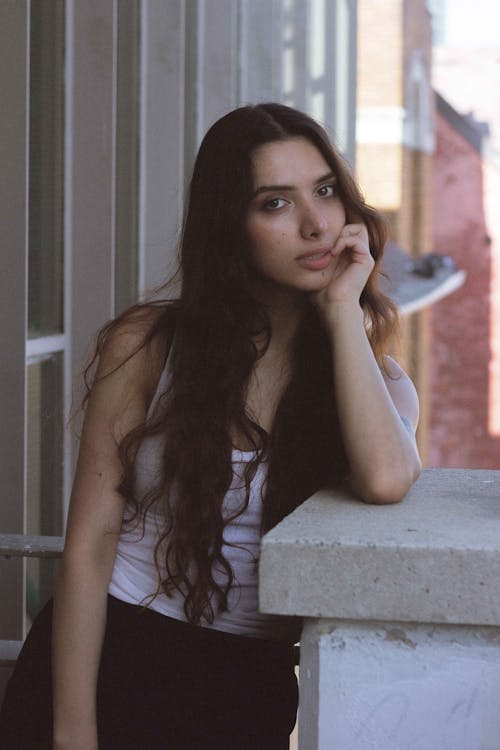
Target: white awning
{"points": [[415, 282]]}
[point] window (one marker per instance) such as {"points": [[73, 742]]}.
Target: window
{"points": [[45, 347]]}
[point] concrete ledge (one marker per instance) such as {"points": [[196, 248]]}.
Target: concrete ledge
{"points": [[434, 558]]}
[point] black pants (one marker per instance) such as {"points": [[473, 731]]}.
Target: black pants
{"points": [[163, 685]]}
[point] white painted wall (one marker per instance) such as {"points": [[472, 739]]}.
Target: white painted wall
{"points": [[399, 687]]}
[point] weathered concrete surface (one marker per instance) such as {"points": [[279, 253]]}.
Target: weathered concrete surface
{"points": [[433, 558], [386, 686]]}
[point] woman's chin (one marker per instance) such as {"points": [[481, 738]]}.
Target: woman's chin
{"points": [[319, 282], [293, 289]]}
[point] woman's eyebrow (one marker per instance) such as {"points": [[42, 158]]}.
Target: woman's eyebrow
{"points": [[325, 177], [278, 188]]}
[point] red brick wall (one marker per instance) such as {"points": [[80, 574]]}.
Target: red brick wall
{"points": [[460, 324]]}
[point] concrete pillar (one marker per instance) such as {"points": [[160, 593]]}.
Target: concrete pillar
{"points": [[401, 640]]}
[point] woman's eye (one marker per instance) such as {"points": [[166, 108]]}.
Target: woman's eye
{"points": [[274, 204], [327, 191]]}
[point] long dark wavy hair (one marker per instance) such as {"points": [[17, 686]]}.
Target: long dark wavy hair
{"points": [[215, 323]]}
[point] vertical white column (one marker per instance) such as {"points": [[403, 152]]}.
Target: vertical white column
{"points": [[162, 140], [218, 69], [261, 51], [92, 173], [14, 124], [69, 443], [194, 73], [344, 65], [302, 73]]}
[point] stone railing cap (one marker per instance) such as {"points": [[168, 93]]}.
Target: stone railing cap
{"points": [[435, 557]]}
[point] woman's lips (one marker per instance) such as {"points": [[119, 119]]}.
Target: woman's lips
{"points": [[315, 261]]}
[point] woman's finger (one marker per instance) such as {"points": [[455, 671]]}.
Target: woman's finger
{"points": [[353, 242]]}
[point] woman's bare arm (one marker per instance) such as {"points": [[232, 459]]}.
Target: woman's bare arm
{"points": [[382, 452], [117, 403], [375, 411]]}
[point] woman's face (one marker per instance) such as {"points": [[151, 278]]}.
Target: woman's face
{"points": [[294, 217]]}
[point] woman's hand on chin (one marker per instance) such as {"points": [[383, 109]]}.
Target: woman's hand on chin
{"points": [[352, 267]]}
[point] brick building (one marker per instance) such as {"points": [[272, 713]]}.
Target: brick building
{"points": [[469, 398], [460, 395], [436, 176]]}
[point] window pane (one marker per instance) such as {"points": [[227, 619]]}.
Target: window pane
{"points": [[45, 476], [46, 143]]}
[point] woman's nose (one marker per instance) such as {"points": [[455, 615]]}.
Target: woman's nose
{"points": [[313, 221]]}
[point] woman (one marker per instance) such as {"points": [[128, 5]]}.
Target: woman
{"points": [[210, 418]]}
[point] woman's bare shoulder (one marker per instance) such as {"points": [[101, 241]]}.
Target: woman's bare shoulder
{"points": [[133, 351]]}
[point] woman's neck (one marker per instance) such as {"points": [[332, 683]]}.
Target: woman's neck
{"points": [[285, 311], [272, 370]]}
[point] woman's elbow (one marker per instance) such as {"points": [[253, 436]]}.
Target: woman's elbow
{"points": [[391, 486]]}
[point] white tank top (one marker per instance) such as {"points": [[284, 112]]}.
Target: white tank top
{"points": [[135, 578]]}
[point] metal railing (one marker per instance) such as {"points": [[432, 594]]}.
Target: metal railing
{"points": [[20, 545]]}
